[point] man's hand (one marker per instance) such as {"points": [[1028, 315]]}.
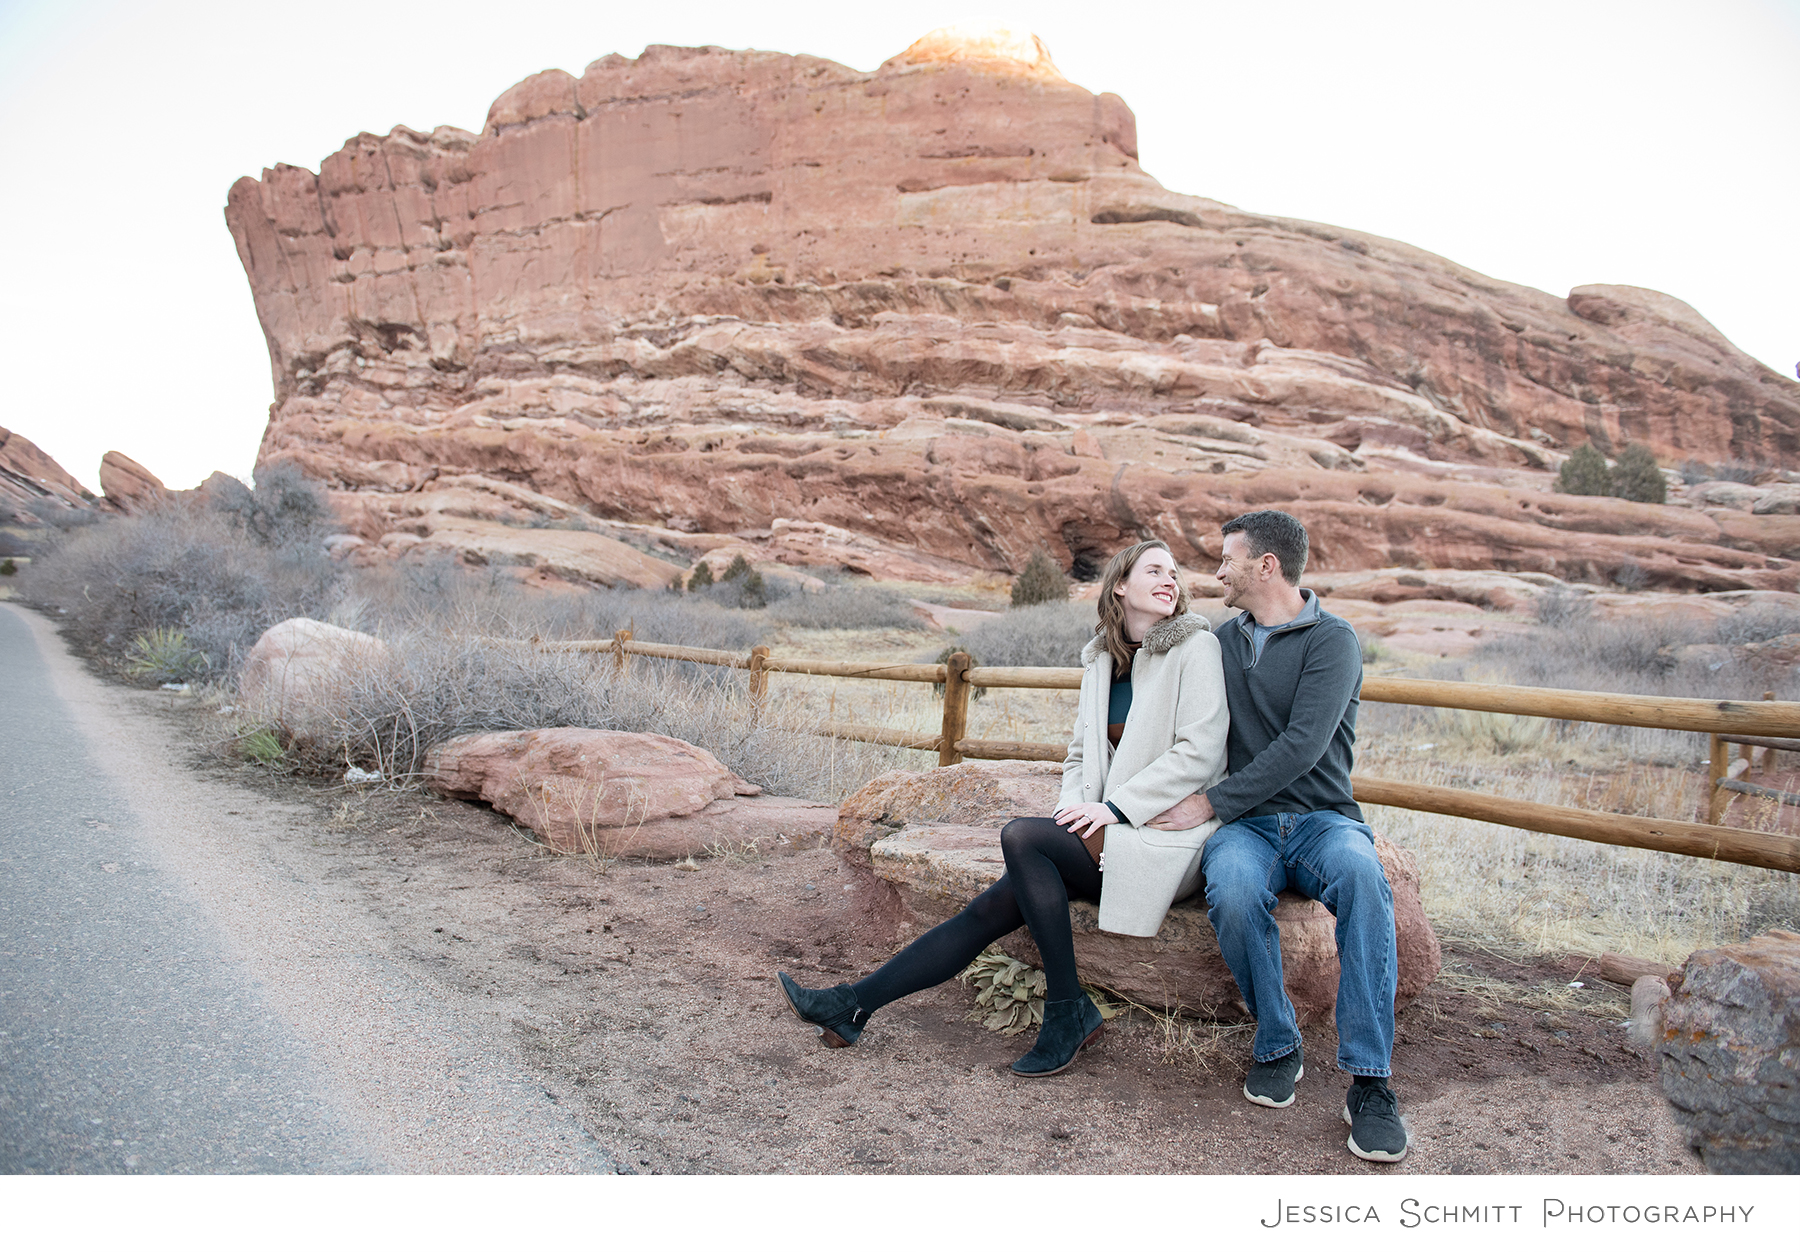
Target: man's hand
{"points": [[1084, 819], [1186, 815]]}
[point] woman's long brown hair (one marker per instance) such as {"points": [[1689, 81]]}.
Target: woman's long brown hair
{"points": [[1112, 613]]}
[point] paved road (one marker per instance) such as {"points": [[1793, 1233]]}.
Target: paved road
{"points": [[178, 996]]}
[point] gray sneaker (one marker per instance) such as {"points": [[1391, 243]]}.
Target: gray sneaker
{"points": [[1376, 1131], [1271, 1083]]}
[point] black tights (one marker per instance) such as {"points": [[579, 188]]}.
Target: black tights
{"points": [[1046, 865]]}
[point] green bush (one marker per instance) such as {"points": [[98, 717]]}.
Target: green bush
{"points": [[8, 567], [1634, 477], [1040, 582], [754, 593], [1585, 473], [739, 587], [702, 577], [1637, 477]]}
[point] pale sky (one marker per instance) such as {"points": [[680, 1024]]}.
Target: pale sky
{"points": [[1553, 144]]}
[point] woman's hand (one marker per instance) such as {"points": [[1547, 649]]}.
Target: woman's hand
{"points": [[1084, 819]]}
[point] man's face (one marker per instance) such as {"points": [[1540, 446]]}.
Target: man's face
{"points": [[1237, 569]]}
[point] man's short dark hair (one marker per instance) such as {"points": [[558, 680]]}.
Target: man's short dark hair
{"points": [[1271, 530]]}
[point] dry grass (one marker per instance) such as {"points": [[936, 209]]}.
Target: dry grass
{"points": [[1519, 892], [1593, 998], [435, 685], [1198, 1042], [580, 802]]}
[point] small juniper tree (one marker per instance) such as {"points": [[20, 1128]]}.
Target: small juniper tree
{"points": [[753, 593], [1040, 582], [701, 577], [1585, 473], [739, 568], [1637, 477]]}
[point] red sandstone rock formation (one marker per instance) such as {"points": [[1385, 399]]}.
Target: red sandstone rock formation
{"points": [[941, 308], [128, 485], [31, 479], [611, 793]]}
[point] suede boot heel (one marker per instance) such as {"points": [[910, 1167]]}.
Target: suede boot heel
{"points": [[1069, 1026]]}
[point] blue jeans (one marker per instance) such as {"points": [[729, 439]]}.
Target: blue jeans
{"points": [[1330, 858]]}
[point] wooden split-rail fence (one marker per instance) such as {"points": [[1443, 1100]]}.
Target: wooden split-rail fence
{"points": [[1766, 724]]}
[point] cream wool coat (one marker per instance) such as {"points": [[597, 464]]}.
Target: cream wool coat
{"points": [[1173, 746]]}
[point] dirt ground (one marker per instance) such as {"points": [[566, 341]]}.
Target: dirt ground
{"points": [[644, 997]]}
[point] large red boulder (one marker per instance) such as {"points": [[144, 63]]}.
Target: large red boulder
{"points": [[609, 793], [934, 836]]}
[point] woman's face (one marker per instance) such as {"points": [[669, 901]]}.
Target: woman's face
{"points": [[1150, 590]]}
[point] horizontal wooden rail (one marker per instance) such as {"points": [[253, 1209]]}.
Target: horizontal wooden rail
{"points": [[700, 656], [858, 669], [1741, 717], [922, 741], [666, 651], [1763, 741], [1751, 789], [1043, 677], [979, 749], [1011, 750], [1717, 843]]}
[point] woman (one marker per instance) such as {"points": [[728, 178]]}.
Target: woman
{"points": [[1142, 741]]}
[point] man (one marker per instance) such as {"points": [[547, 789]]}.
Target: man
{"points": [[1292, 678]]}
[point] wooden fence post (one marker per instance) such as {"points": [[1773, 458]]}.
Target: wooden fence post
{"points": [[1716, 796], [956, 707], [1761, 763], [620, 638], [759, 681]]}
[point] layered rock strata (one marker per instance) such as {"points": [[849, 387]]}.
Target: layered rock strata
{"points": [[940, 308], [31, 480], [128, 485]]}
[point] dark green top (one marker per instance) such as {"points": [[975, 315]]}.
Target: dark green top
{"points": [[1118, 700]]}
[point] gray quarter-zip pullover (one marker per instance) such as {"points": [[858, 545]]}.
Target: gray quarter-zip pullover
{"points": [[1293, 716]]}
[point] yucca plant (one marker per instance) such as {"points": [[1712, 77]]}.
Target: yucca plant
{"points": [[262, 746], [163, 653], [1009, 994]]}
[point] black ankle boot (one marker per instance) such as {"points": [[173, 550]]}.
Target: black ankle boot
{"points": [[833, 1012], [1069, 1026]]}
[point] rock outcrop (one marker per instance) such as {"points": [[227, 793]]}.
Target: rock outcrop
{"points": [[1730, 1054], [610, 793], [941, 308], [30, 479], [128, 485], [934, 837]]}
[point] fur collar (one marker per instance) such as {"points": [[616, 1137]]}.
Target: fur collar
{"points": [[1166, 635]]}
